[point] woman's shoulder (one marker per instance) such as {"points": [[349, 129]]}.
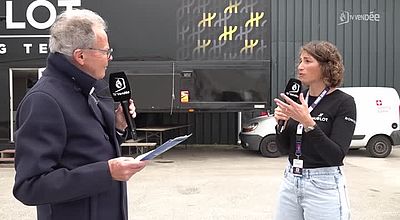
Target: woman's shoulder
{"points": [[342, 99], [337, 93]]}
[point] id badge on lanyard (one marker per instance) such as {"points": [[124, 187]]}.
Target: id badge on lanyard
{"points": [[298, 163]]}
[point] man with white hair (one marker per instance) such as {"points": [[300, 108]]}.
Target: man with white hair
{"points": [[68, 160]]}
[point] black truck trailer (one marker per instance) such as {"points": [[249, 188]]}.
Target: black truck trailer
{"points": [[194, 62]]}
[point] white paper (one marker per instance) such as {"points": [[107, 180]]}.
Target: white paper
{"points": [[162, 148]]}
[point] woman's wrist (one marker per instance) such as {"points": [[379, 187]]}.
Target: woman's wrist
{"points": [[309, 123]]}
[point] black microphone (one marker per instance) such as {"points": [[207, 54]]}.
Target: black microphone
{"points": [[292, 90], [121, 92]]}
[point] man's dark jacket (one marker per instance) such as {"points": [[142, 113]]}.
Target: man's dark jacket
{"points": [[62, 148]]}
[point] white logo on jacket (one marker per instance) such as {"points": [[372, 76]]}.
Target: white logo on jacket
{"points": [[350, 120], [320, 118]]}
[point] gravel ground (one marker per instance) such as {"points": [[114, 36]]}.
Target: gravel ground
{"points": [[227, 182]]}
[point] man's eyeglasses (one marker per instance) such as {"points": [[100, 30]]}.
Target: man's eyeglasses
{"points": [[109, 51]]}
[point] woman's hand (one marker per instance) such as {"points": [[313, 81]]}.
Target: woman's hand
{"points": [[291, 109], [279, 114]]}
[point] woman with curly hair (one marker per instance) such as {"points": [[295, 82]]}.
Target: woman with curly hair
{"points": [[316, 135]]}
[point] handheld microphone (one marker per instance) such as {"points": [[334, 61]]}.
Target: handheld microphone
{"points": [[121, 92], [292, 90]]}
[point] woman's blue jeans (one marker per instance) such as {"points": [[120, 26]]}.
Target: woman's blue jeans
{"points": [[319, 194]]}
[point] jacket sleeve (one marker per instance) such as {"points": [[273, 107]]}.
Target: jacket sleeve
{"points": [[336, 145], [40, 140], [282, 140], [121, 138]]}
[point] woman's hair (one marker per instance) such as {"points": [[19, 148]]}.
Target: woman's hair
{"points": [[73, 29], [329, 59]]}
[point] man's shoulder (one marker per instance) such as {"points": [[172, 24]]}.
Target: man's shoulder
{"points": [[48, 88], [51, 83]]}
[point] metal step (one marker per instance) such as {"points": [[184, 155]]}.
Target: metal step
{"points": [[6, 160], [7, 155]]}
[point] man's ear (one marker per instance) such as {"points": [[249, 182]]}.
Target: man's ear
{"points": [[78, 56]]}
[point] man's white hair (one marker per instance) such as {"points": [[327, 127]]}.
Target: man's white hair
{"points": [[73, 29]]}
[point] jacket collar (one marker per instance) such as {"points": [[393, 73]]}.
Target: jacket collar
{"points": [[58, 62]]}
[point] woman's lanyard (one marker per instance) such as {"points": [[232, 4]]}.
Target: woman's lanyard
{"points": [[299, 132]]}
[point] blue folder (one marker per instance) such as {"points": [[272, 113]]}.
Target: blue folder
{"points": [[163, 147]]}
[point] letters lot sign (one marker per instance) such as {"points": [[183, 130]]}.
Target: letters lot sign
{"points": [[24, 26]]}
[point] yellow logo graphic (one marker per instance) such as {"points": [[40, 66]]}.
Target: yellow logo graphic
{"points": [[254, 19], [223, 29], [207, 19], [227, 35], [184, 96], [232, 8], [248, 46], [201, 45]]}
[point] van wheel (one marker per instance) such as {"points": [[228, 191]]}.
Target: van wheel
{"points": [[379, 146], [268, 147]]}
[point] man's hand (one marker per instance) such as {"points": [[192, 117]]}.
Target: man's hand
{"points": [[123, 168], [120, 122]]}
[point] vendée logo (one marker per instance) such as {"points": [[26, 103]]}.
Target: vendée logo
{"points": [[345, 17]]}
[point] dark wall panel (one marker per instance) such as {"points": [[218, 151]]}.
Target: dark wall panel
{"points": [[207, 127]]}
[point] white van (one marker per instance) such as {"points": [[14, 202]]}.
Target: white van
{"points": [[377, 128]]}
